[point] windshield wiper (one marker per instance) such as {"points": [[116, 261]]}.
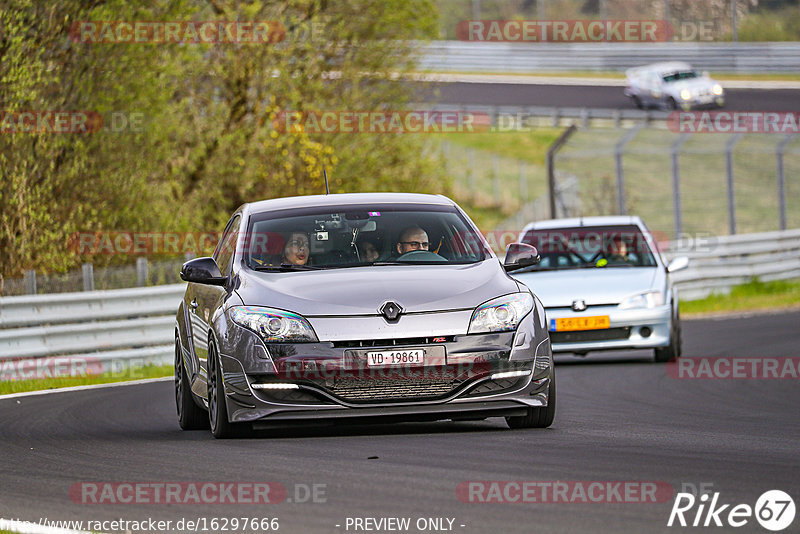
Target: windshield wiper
{"points": [[285, 267]]}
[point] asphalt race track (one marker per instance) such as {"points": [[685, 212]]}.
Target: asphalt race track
{"points": [[619, 418], [584, 96]]}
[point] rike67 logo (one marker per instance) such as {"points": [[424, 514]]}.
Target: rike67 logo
{"points": [[774, 510]]}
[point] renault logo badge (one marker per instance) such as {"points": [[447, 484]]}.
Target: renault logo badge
{"points": [[391, 310]]}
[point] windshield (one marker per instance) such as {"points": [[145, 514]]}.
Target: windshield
{"points": [[680, 75], [591, 247], [302, 240]]}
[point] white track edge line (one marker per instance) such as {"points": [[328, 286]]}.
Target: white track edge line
{"points": [[85, 387]]}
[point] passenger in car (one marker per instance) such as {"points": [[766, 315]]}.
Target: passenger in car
{"points": [[296, 250], [367, 250]]}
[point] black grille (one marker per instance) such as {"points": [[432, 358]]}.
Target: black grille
{"points": [[495, 386], [384, 389], [351, 344], [604, 334]]}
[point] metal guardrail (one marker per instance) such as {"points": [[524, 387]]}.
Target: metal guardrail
{"points": [[464, 56], [723, 262], [110, 329], [60, 308], [61, 334]]}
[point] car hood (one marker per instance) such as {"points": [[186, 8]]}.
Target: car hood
{"points": [[593, 285], [363, 290], [692, 85]]}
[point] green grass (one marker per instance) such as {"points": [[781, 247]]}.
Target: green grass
{"points": [[486, 170], [754, 295], [527, 146], [134, 373]]}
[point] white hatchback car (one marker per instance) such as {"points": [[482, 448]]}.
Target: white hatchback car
{"points": [[604, 286], [672, 85]]}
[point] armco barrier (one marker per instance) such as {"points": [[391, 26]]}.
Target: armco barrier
{"points": [[101, 328], [463, 56], [137, 325], [723, 262]]}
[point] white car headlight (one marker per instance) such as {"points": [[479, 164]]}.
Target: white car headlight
{"points": [[686, 94], [717, 89], [651, 299], [274, 326], [501, 314]]}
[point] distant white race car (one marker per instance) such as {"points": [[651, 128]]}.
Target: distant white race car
{"points": [[673, 85]]}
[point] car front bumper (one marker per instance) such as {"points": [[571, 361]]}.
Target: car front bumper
{"points": [[628, 329], [331, 380]]}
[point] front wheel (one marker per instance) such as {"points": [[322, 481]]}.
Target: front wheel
{"points": [[672, 105], [190, 415], [217, 407], [674, 349], [539, 417]]}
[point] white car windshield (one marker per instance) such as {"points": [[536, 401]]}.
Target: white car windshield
{"points": [[591, 246], [680, 75]]}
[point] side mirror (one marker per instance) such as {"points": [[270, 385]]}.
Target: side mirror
{"points": [[519, 255], [203, 271], [678, 264]]}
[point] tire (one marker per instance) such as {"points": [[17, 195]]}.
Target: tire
{"points": [[638, 102], [671, 104], [221, 428], [538, 417], [190, 415], [674, 349]]}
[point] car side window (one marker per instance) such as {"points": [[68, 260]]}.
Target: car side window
{"points": [[223, 255]]}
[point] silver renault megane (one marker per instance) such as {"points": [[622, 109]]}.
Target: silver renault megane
{"points": [[375, 307]]}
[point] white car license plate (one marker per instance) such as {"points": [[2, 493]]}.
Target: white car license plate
{"points": [[386, 358]]}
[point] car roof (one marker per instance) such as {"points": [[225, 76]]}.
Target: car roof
{"points": [[663, 68], [345, 199], [609, 220], [668, 67]]}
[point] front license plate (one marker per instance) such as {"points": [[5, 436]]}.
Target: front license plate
{"points": [[580, 323], [387, 358]]}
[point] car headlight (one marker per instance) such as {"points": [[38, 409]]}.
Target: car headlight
{"points": [[717, 89], [651, 299], [501, 314], [274, 326], [686, 94]]}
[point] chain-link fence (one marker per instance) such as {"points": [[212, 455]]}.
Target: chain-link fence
{"points": [[88, 278], [686, 183], [680, 184]]}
